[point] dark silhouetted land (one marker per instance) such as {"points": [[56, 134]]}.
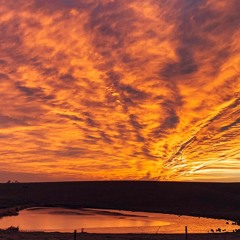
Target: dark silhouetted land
{"points": [[217, 200], [69, 236]]}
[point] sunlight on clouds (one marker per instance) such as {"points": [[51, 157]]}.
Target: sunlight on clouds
{"points": [[94, 90]]}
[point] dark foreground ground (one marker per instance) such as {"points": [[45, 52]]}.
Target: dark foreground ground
{"points": [[217, 200], [69, 236]]}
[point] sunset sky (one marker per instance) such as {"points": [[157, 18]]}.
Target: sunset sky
{"points": [[120, 90]]}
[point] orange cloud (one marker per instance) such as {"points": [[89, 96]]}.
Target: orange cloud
{"points": [[120, 90]]}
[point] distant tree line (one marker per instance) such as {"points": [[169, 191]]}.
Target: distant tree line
{"points": [[9, 181]]}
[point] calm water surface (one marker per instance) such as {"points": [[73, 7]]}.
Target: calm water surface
{"points": [[109, 221]]}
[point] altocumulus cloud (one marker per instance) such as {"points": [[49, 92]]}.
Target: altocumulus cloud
{"points": [[120, 89]]}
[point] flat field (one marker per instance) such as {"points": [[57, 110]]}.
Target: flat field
{"points": [[69, 236], [217, 200]]}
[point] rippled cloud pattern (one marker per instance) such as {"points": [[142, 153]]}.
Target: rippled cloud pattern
{"points": [[110, 89]]}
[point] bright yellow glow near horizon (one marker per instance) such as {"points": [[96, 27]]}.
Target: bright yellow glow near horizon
{"points": [[119, 90]]}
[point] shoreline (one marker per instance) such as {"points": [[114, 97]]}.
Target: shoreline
{"points": [[14, 211], [211, 200], [93, 236], [203, 200]]}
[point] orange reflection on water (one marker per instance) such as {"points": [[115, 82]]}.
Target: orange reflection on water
{"points": [[109, 221]]}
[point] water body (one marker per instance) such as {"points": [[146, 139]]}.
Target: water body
{"points": [[109, 221]]}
